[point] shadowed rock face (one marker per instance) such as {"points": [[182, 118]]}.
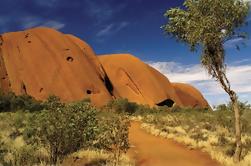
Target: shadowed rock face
{"points": [[42, 61]]}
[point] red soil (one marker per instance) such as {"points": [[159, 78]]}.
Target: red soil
{"points": [[149, 150]]}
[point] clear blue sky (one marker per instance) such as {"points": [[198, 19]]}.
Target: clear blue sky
{"points": [[128, 26]]}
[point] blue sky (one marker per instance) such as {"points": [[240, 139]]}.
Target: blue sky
{"points": [[131, 26]]}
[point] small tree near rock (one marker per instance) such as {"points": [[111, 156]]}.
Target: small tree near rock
{"points": [[208, 24]]}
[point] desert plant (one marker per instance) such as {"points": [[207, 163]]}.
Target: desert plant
{"points": [[113, 135], [11, 102], [63, 128], [122, 106]]}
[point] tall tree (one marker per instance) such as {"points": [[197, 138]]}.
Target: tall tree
{"points": [[208, 24]]}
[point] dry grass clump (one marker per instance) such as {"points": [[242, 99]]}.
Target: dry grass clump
{"points": [[101, 157], [13, 148]]}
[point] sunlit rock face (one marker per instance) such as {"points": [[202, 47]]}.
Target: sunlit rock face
{"points": [[137, 81], [42, 62], [190, 96]]}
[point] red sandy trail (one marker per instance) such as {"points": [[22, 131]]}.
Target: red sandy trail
{"points": [[149, 150]]}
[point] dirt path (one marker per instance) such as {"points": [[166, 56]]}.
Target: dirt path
{"points": [[149, 150]]}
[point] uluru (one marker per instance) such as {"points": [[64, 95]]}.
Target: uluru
{"points": [[41, 61]]}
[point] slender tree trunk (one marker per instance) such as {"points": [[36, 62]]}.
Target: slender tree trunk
{"points": [[233, 97], [238, 149]]}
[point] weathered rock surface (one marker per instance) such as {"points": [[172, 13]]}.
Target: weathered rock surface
{"points": [[42, 61], [137, 81], [190, 96]]}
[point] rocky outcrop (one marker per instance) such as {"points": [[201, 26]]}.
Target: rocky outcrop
{"points": [[137, 81], [190, 96], [42, 61]]}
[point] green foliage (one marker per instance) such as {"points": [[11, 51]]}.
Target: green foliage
{"points": [[122, 106], [209, 24], [59, 130], [246, 125], [113, 135], [11, 102], [24, 156], [226, 109], [203, 22], [63, 128], [243, 106]]}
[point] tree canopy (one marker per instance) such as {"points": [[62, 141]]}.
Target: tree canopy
{"points": [[204, 21], [209, 24]]}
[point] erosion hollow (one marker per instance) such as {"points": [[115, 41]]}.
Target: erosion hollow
{"points": [[167, 102], [69, 59]]}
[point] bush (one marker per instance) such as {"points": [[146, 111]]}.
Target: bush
{"points": [[113, 135], [60, 129], [24, 156], [63, 128], [122, 106], [11, 102]]}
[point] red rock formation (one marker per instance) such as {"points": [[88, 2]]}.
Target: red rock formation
{"points": [[137, 81], [190, 96], [42, 61]]}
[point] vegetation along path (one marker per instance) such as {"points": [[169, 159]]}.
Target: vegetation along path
{"points": [[149, 150]]}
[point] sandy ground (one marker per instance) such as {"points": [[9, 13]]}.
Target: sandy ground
{"points": [[149, 150]]}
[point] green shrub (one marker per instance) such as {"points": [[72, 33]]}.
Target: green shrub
{"points": [[122, 106], [113, 135], [24, 156], [198, 136], [11, 102], [59, 130], [5, 101], [221, 107], [63, 128], [3, 150]]}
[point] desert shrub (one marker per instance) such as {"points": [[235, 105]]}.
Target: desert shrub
{"points": [[25, 102], [246, 146], [5, 104], [145, 110], [224, 118], [63, 128], [229, 149], [175, 108], [246, 125], [113, 135], [11, 102], [59, 130], [221, 107], [243, 106], [198, 136], [25, 155], [222, 140], [3, 150], [122, 106]]}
